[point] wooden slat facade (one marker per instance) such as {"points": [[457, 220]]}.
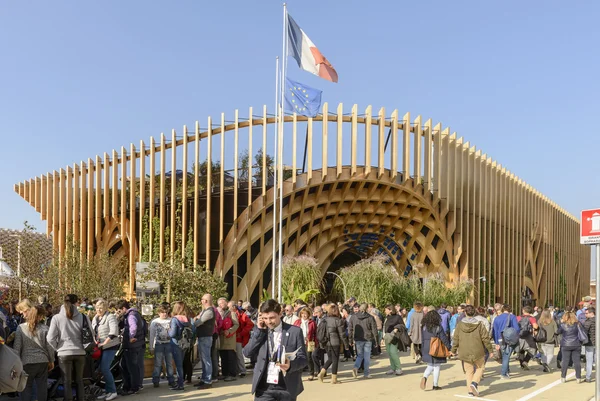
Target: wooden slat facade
{"points": [[430, 201]]}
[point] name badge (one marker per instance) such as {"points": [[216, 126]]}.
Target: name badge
{"points": [[273, 373]]}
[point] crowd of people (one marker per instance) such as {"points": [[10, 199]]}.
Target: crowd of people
{"points": [[300, 339]]}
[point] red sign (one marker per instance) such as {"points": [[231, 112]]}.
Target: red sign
{"points": [[590, 227]]}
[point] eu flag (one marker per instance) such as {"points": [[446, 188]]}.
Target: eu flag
{"points": [[302, 99]]}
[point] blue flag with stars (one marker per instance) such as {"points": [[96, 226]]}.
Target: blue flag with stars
{"points": [[302, 99]]}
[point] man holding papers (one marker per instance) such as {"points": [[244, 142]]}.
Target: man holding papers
{"points": [[280, 356]]}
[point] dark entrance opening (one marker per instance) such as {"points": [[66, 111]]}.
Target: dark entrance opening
{"points": [[344, 259]]}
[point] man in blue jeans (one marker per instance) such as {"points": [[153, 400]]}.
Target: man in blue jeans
{"points": [[205, 326], [502, 321], [590, 347], [362, 331]]}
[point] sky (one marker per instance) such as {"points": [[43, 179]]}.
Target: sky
{"points": [[517, 79]]}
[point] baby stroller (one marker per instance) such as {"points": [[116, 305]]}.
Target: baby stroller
{"points": [[92, 377], [115, 369]]}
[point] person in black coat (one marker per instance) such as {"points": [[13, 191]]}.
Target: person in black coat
{"points": [[570, 345], [336, 337], [431, 327], [268, 340], [391, 327]]}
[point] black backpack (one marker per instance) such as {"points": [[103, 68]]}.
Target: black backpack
{"points": [[322, 336], [525, 327], [185, 338]]}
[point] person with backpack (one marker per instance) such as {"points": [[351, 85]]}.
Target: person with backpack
{"points": [[182, 339], [227, 341], [106, 329], [160, 346], [205, 324], [446, 316], [69, 334], [527, 344], [32, 347], [505, 333], [573, 335], [331, 335], [133, 341]]}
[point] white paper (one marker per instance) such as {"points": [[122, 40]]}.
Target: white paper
{"points": [[290, 356]]}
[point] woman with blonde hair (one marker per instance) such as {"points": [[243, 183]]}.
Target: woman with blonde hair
{"points": [[179, 320], [106, 329], [309, 331], [33, 349], [570, 344], [415, 330], [547, 323]]}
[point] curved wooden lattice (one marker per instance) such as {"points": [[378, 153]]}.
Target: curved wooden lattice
{"points": [[376, 183], [328, 217]]}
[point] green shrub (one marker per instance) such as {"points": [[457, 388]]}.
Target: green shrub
{"points": [[373, 280]]}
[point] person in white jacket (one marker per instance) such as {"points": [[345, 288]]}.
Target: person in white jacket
{"points": [[160, 346], [106, 327]]}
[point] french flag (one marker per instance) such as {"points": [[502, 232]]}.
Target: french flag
{"points": [[307, 55]]}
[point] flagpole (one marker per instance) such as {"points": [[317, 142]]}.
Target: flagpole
{"points": [[280, 140], [273, 261]]}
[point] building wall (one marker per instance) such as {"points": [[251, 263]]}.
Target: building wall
{"points": [[452, 209]]}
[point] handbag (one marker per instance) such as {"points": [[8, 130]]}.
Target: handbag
{"points": [[310, 347], [540, 336], [87, 337], [437, 348], [581, 334]]}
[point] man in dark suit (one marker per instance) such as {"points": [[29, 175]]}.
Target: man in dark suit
{"points": [[267, 341]]}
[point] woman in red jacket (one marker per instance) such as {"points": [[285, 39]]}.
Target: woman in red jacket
{"points": [[309, 330], [242, 336]]}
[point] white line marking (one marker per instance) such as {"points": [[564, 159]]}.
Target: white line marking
{"points": [[473, 398], [548, 387]]}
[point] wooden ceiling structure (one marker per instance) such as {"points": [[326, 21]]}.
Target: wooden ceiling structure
{"points": [[408, 189]]}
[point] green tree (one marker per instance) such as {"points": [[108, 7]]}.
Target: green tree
{"points": [[186, 285], [188, 252], [102, 276], [33, 253]]}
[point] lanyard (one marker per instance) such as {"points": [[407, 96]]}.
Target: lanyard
{"points": [[272, 351]]}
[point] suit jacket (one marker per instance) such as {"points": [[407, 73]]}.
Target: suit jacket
{"points": [[291, 339]]}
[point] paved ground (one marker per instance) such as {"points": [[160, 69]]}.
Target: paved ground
{"points": [[531, 385]]}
